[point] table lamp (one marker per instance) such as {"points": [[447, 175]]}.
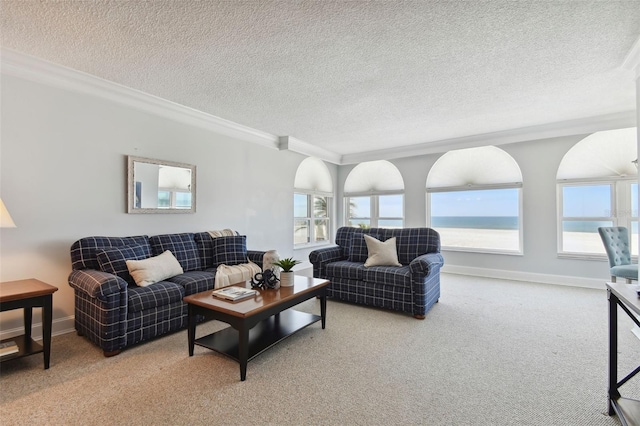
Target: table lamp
{"points": [[5, 217]]}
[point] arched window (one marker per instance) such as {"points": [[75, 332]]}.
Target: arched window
{"points": [[474, 200], [374, 196], [313, 191], [597, 186]]}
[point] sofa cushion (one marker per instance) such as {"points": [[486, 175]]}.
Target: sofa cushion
{"points": [[414, 243], [83, 251], [182, 246], [399, 276], [194, 281], [153, 296], [204, 242], [346, 269], [381, 253], [358, 251], [113, 260], [229, 250], [155, 269]]}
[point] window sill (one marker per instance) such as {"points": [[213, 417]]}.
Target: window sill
{"points": [[483, 251], [589, 256], [311, 245]]}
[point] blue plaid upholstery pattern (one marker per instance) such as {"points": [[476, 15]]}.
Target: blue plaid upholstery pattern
{"points": [[358, 251], [100, 307], [346, 269], [114, 260], [153, 296], [113, 314], [194, 281], [390, 275], [148, 324], [83, 251], [230, 250], [412, 288], [182, 246]]}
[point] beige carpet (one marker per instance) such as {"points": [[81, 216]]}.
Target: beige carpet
{"points": [[489, 353]]}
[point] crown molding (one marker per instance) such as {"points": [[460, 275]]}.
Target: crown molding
{"points": [[632, 60], [296, 145], [558, 129], [27, 67]]}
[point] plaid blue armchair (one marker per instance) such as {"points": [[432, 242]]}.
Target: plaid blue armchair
{"points": [[112, 312], [412, 288]]}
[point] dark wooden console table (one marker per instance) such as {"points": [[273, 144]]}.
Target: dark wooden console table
{"points": [[625, 296], [27, 294]]}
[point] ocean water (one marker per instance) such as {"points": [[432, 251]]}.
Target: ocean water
{"points": [[511, 222], [475, 222]]}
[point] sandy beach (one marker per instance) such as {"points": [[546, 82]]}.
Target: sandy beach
{"points": [[506, 239]]}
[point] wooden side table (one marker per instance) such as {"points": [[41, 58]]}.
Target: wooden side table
{"points": [[27, 294]]}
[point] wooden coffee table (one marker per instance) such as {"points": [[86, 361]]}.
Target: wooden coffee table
{"points": [[257, 323]]}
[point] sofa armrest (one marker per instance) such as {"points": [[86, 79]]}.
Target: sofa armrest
{"points": [[256, 256], [96, 284], [320, 258], [426, 264]]}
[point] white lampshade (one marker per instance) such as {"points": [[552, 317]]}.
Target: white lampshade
{"points": [[5, 217]]}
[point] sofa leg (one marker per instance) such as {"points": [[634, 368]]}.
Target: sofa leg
{"points": [[420, 317], [108, 354], [79, 333]]}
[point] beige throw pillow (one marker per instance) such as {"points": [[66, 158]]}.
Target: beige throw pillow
{"points": [[148, 271], [381, 253]]}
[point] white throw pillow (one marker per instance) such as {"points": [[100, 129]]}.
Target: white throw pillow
{"points": [[381, 253], [148, 271], [227, 275]]}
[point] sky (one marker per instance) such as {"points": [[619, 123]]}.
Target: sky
{"points": [[487, 202]]}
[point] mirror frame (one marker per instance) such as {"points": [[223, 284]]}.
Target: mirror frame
{"points": [[131, 183]]}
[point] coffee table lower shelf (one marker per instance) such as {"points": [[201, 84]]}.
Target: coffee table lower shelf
{"points": [[264, 335]]}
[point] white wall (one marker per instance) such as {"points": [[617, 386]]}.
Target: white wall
{"points": [[63, 177]]}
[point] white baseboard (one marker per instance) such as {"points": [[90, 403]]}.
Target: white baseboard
{"points": [[526, 276], [59, 326]]}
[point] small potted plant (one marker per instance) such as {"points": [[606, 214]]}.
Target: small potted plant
{"points": [[286, 276]]}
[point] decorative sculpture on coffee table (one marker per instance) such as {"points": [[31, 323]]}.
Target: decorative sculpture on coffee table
{"points": [[266, 279]]}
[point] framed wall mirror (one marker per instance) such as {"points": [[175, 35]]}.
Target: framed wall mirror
{"points": [[157, 186]]}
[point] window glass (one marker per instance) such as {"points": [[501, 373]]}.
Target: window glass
{"points": [[585, 207], [487, 219], [587, 201], [183, 200], [391, 206], [322, 229], [300, 207], [360, 207], [164, 199], [301, 231]]}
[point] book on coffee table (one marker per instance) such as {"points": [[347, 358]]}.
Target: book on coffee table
{"points": [[8, 348], [234, 293]]}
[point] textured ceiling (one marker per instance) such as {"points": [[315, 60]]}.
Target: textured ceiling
{"points": [[350, 76]]}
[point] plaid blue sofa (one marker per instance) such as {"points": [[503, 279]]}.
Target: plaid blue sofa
{"points": [[413, 287], [114, 313]]}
